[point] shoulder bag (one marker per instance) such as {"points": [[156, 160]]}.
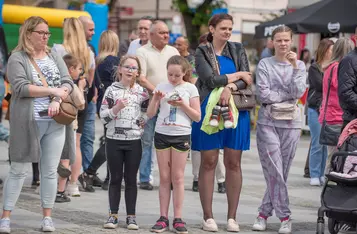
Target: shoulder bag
{"points": [[68, 108], [244, 99], [329, 133]]}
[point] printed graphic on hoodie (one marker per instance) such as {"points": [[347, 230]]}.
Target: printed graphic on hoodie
{"points": [[128, 123]]}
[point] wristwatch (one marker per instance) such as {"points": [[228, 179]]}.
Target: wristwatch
{"points": [[231, 88], [57, 99]]}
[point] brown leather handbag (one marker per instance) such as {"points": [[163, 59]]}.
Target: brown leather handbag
{"points": [[244, 99], [69, 107], [8, 99]]}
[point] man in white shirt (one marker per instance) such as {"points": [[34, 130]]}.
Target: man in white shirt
{"points": [[143, 28], [153, 59]]}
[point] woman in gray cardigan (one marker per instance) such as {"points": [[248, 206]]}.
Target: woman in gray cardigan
{"points": [[39, 82]]}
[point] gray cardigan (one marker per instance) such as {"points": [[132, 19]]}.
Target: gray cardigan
{"points": [[24, 140]]}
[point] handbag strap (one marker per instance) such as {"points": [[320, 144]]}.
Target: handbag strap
{"points": [[212, 57], [101, 85], [39, 73], [328, 92]]}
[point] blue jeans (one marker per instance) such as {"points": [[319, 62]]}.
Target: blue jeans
{"points": [[318, 153], [2, 89], [147, 143], [88, 136]]}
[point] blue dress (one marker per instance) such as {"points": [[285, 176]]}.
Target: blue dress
{"points": [[237, 138]]}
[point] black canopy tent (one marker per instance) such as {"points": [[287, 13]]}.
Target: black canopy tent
{"points": [[325, 16]]}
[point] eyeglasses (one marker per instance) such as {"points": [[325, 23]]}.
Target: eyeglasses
{"points": [[43, 33], [131, 69]]}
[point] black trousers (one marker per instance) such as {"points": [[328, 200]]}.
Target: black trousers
{"points": [[123, 157], [98, 159], [35, 172]]}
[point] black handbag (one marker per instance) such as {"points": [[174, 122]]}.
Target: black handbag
{"points": [[329, 133]]}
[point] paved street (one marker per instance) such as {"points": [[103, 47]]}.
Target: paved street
{"points": [[87, 213]]}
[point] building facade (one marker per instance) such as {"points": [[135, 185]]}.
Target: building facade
{"points": [[131, 11], [249, 13]]}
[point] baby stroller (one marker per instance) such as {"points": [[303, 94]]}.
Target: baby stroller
{"points": [[339, 194]]}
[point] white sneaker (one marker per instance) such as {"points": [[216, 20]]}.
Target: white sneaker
{"points": [[232, 226], [5, 225], [47, 225], [72, 190], [209, 225], [112, 222], [315, 182], [285, 227], [37, 190], [322, 180], [260, 224]]}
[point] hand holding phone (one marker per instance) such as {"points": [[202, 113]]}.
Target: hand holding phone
{"points": [[43, 113]]}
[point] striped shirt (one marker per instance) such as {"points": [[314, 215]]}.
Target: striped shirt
{"points": [[49, 69]]}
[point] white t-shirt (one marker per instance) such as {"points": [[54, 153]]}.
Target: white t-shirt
{"points": [[134, 45], [172, 120]]}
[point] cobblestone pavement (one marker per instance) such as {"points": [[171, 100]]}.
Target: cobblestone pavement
{"points": [[87, 213]]}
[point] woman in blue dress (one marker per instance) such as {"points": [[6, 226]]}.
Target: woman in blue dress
{"points": [[234, 74]]}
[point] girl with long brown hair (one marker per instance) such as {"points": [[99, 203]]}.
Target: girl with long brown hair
{"points": [[178, 104]]}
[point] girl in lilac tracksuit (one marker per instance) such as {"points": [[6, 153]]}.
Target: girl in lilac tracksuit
{"points": [[280, 78]]}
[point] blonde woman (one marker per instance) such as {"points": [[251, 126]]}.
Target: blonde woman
{"points": [[39, 81], [107, 61], [75, 43]]}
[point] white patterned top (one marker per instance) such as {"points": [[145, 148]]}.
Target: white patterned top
{"points": [[53, 77], [127, 123]]}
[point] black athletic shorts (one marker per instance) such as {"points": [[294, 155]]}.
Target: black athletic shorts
{"points": [[179, 143]]}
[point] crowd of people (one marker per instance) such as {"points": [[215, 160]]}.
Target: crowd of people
{"points": [[149, 94]]}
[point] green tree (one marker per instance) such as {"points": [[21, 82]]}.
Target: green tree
{"points": [[194, 19]]}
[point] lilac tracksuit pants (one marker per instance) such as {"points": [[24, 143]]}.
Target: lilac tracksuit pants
{"points": [[276, 147]]}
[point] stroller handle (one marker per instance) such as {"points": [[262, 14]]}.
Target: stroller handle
{"points": [[344, 154]]}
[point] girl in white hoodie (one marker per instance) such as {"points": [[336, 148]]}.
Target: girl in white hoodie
{"points": [[121, 111]]}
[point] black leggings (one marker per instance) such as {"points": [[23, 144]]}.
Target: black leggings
{"points": [[123, 156]]}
